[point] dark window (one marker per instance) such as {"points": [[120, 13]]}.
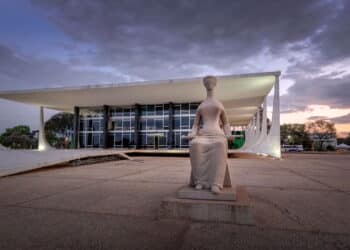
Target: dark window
{"points": [[143, 124], [177, 123], [96, 140], [118, 112], [184, 122], [150, 124], [126, 124], [159, 124], [126, 140], [159, 109], [184, 142], [118, 139], [96, 125], [166, 123], [132, 124], [118, 124], [144, 110], [89, 139], [132, 112], [126, 112], [185, 109], [177, 140], [176, 109], [193, 108], [166, 109], [150, 109]]}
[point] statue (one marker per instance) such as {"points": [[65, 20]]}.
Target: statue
{"points": [[208, 143]]}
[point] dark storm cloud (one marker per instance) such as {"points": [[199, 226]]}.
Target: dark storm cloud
{"points": [[18, 71], [157, 39]]}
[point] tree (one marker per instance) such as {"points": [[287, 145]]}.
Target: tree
{"points": [[321, 131], [345, 140], [58, 128], [295, 134], [18, 137]]}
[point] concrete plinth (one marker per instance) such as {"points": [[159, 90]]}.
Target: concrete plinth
{"points": [[233, 211]]}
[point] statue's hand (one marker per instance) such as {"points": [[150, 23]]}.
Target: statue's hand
{"points": [[230, 138], [191, 136]]}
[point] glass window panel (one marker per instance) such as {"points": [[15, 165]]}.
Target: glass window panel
{"points": [[132, 111], [150, 124], [118, 124], [132, 138], [144, 110], [159, 124], [89, 139], [126, 124], [144, 139], [118, 139], [162, 140], [193, 108], [184, 122], [150, 109], [82, 140], [177, 123], [126, 112], [118, 112], [177, 140], [184, 142], [96, 125], [185, 108], [132, 124], [126, 140], [81, 125], [143, 124], [89, 125], [96, 140], [166, 123], [176, 109], [166, 109], [159, 109]]}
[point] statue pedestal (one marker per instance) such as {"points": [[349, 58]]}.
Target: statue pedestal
{"points": [[231, 206]]}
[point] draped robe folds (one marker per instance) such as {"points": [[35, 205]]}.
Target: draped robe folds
{"points": [[208, 148]]}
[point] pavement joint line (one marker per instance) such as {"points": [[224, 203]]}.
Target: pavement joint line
{"points": [[75, 211], [283, 211], [317, 181]]}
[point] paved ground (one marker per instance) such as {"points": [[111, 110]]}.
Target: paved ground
{"points": [[18, 161], [300, 202]]}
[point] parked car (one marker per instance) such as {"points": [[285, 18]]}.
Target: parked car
{"points": [[292, 148]]}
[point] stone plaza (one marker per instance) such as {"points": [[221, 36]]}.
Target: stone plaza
{"points": [[299, 202]]}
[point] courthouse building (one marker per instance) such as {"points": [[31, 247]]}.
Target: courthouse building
{"points": [[141, 114]]}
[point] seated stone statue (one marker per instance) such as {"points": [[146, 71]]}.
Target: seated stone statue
{"points": [[208, 143]]}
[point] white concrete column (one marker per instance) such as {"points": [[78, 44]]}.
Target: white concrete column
{"points": [[43, 144], [274, 135]]}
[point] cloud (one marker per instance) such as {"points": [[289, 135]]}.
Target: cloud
{"points": [[315, 118], [19, 71], [341, 119]]}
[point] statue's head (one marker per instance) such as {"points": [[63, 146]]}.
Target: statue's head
{"points": [[209, 82]]}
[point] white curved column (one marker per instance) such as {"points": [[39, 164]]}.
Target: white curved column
{"points": [[273, 138], [43, 144]]}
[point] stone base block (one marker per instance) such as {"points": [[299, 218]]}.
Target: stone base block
{"points": [[227, 194], [237, 212]]}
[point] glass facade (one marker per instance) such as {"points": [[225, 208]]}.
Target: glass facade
{"points": [[91, 128], [153, 130]]}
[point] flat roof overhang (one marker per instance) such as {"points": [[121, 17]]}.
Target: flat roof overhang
{"points": [[240, 94]]}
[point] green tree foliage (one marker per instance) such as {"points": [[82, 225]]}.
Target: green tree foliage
{"points": [[295, 134], [57, 129], [321, 130], [18, 137]]}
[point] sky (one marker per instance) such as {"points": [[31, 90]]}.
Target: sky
{"points": [[60, 43]]}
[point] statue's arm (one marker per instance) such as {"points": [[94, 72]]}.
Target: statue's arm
{"points": [[226, 125], [196, 124]]}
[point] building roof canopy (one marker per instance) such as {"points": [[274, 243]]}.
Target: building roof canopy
{"points": [[240, 94]]}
